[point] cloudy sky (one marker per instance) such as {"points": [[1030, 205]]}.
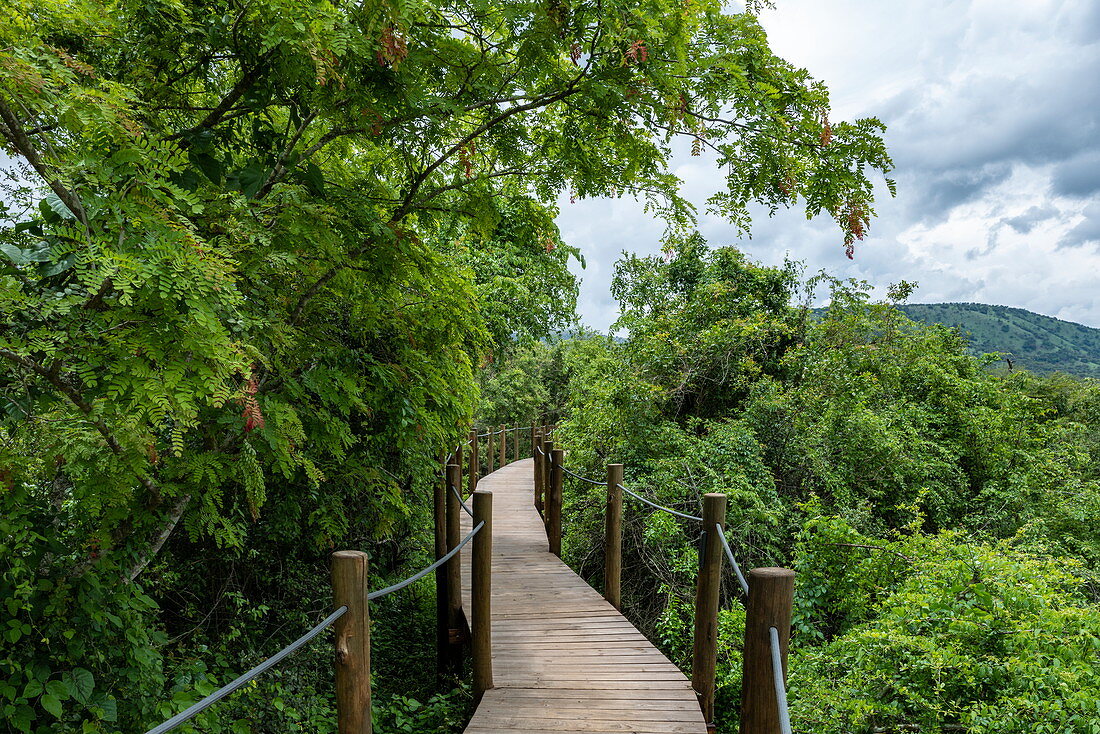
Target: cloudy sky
{"points": [[993, 110]]}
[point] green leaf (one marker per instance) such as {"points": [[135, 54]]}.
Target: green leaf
{"points": [[312, 177], [79, 683], [33, 689], [22, 718], [60, 266], [51, 704], [251, 178], [210, 166], [57, 689], [53, 201]]}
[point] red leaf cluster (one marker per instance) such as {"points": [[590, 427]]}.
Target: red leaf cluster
{"points": [[394, 48], [253, 417]]}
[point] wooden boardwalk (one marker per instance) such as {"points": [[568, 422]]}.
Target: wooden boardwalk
{"points": [[564, 660]]}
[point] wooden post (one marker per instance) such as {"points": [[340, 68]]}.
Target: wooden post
{"points": [[503, 445], [515, 444], [349, 588], [537, 456], [704, 656], [456, 619], [547, 451], [442, 615], [489, 453], [613, 537], [458, 462], [534, 432], [553, 527], [771, 596], [481, 585], [475, 462]]}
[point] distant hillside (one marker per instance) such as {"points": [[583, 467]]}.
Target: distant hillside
{"points": [[1035, 342]]}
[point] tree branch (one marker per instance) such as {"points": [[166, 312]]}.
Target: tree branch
{"points": [[17, 136], [174, 515]]}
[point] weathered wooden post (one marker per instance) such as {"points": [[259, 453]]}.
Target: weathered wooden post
{"points": [[458, 461], [704, 656], [547, 460], [349, 589], [489, 452], [503, 445], [515, 444], [534, 432], [771, 596], [613, 537], [456, 619], [481, 585], [557, 459], [475, 462], [442, 615], [539, 457]]}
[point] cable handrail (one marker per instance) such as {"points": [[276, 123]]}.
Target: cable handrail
{"points": [[669, 510], [424, 572], [196, 708], [583, 479], [780, 686], [459, 496], [733, 561]]}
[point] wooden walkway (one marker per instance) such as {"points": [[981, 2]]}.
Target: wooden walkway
{"points": [[564, 660]]}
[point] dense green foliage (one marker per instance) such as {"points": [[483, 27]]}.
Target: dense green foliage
{"points": [[1030, 340], [251, 257], [943, 519]]}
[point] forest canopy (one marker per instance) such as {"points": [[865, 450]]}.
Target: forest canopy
{"points": [[252, 256]]}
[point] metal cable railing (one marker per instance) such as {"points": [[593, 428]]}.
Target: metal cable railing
{"points": [[459, 496], [780, 685], [424, 572], [583, 479], [197, 708], [733, 561], [669, 510]]}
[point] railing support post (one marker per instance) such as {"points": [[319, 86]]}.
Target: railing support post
{"points": [[475, 462], [547, 460], [613, 537], [704, 656], [442, 615], [456, 618], [534, 431], [515, 444], [349, 588], [553, 527], [489, 452], [503, 445], [771, 596], [538, 452], [480, 594]]}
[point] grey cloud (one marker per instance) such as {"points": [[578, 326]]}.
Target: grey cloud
{"points": [[1027, 221], [1087, 231], [1079, 176]]}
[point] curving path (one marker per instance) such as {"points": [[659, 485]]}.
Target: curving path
{"points": [[564, 660]]}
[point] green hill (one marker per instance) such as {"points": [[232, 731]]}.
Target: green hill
{"points": [[1032, 341]]}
